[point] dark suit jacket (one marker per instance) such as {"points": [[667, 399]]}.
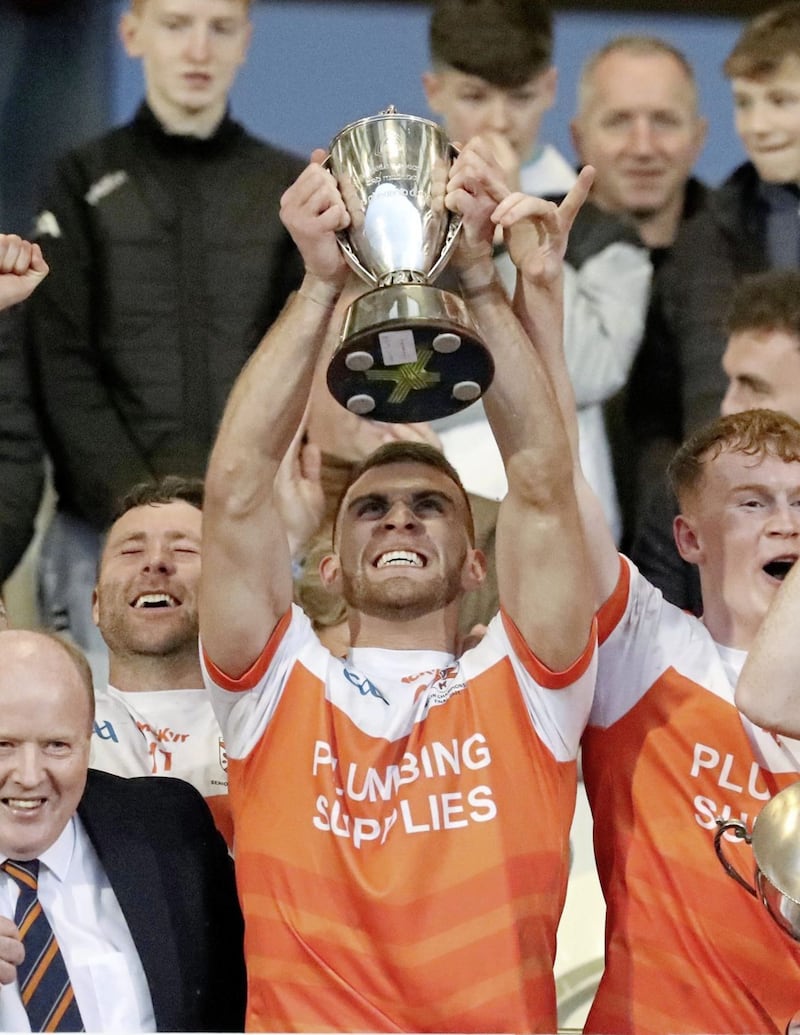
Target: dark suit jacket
{"points": [[173, 878]]}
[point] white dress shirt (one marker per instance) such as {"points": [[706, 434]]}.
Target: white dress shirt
{"points": [[101, 958]]}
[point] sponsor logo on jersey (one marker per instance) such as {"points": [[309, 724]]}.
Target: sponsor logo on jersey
{"points": [[364, 685], [105, 731], [439, 684], [163, 735]]}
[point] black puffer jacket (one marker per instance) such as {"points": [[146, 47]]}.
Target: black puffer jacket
{"points": [[168, 263], [21, 454]]}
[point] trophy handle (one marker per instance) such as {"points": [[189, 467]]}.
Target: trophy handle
{"points": [[448, 247], [740, 830], [350, 256], [453, 228], [353, 261]]}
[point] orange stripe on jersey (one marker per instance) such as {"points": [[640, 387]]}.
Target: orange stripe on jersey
{"points": [[612, 610], [220, 808], [256, 671], [402, 888], [543, 675], [399, 925]]}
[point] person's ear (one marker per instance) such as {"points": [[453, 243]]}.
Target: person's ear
{"points": [[330, 572], [700, 135], [577, 138], [128, 30], [474, 570], [432, 85], [686, 540]]}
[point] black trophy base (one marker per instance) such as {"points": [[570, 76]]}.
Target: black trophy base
{"points": [[409, 353]]}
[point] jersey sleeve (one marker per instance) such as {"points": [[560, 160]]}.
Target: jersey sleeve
{"points": [[558, 703], [244, 706], [641, 635]]}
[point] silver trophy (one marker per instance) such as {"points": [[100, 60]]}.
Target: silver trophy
{"points": [[408, 351], [776, 851]]}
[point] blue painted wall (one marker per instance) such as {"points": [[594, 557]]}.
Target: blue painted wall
{"points": [[313, 67]]}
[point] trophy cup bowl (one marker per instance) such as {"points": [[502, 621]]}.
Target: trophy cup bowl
{"points": [[775, 841], [408, 351]]}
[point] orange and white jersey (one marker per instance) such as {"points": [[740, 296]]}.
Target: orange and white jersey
{"points": [[665, 753], [401, 822], [164, 733]]}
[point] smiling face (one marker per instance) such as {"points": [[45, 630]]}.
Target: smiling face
{"points": [[741, 526], [145, 601], [638, 126], [767, 118], [45, 729], [470, 106], [403, 547], [191, 51]]}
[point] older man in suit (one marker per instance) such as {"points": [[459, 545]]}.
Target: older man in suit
{"points": [[118, 909]]}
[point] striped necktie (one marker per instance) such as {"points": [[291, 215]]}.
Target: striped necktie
{"points": [[43, 980]]}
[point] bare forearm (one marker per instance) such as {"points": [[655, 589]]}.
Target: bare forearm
{"points": [[541, 313], [768, 691], [520, 404]]}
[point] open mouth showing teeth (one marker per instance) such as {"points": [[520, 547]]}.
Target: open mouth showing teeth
{"points": [[400, 559], [23, 803], [779, 569], [155, 600]]}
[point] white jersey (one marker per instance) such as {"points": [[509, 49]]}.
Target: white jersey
{"points": [[163, 733]]}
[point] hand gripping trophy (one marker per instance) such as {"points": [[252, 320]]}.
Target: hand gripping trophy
{"points": [[408, 351], [776, 852]]}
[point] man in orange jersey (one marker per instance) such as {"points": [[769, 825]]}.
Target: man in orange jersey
{"points": [[666, 751], [401, 815]]}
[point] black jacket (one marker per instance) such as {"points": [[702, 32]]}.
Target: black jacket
{"points": [[173, 878], [677, 383], [168, 263], [21, 453]]}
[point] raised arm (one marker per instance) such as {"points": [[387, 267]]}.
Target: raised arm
{"points": [[541, 560], [246, 583], [538, 302], [768, 691]]}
